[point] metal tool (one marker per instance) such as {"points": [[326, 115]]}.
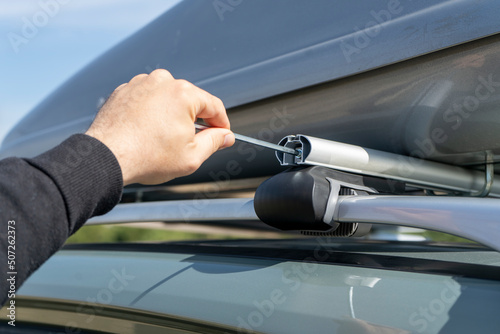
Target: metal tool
{"points": [[257, 142]]}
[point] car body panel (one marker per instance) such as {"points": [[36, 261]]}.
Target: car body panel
{"points": [[275, 294]]}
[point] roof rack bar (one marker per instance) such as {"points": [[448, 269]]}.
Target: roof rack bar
{"points": [[356, 159], [476, 219], [201, 210]]}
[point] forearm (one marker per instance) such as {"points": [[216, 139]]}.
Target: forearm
{"points": [[50, 197]]}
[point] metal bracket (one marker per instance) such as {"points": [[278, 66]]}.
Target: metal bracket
{"points": [[489, 177], [332, 204], [337, 189]]}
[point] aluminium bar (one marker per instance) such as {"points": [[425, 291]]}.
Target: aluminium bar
{"points": [[356, 159], [201, 210], [476, 219]]}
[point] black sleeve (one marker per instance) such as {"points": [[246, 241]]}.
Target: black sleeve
{"points": [[46, 199]]}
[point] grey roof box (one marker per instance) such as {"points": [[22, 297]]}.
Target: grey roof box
{"points": [[367, 73]]}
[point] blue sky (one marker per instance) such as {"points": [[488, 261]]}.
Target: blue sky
{"points": [[65, 35]]}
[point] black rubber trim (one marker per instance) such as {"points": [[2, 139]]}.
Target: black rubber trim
{"points": [[335, 256], [23, 327]]}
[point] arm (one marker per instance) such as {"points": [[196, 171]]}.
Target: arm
{"points": [[143, 134], [48, 198]]}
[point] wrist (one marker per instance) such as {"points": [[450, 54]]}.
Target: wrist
{"points": [[121, 158]]}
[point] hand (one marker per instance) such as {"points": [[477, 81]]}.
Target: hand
{"points": [[148, 123]]}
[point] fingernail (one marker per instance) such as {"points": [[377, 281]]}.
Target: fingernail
{"points": [[227, 141]]}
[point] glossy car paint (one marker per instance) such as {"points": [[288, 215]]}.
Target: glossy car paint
{"points": [[431, 106], [279, 295]]}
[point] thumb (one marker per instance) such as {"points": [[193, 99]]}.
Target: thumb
{"points": [[211, 140]]}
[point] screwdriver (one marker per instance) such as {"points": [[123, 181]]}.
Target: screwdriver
{"points": [[255, 141]]}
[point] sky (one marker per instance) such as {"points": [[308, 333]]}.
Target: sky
{"points": [[44, 42]]}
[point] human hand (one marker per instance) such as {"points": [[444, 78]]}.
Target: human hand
{"points": [[148, 123]]}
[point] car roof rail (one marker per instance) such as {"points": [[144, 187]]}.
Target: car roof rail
{"points": [[188, 211], [476, 219], [471, 218]]}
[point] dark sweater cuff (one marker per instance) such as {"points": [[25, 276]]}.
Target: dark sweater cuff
{"points": [[87, 174]]}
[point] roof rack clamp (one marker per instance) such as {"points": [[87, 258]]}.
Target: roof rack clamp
{"points": [[306, 199]]}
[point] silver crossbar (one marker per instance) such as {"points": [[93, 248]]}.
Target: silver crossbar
{"points": [[477, 219], [201, 210]]}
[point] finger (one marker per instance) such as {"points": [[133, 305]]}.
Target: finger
{"points": [[121, 86], [229, 140], [211, 140], [138, 78], [211, 109], [161, 75], [115, 92]]}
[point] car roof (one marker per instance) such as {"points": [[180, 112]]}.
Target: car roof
{"points": [[230, 282]]}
